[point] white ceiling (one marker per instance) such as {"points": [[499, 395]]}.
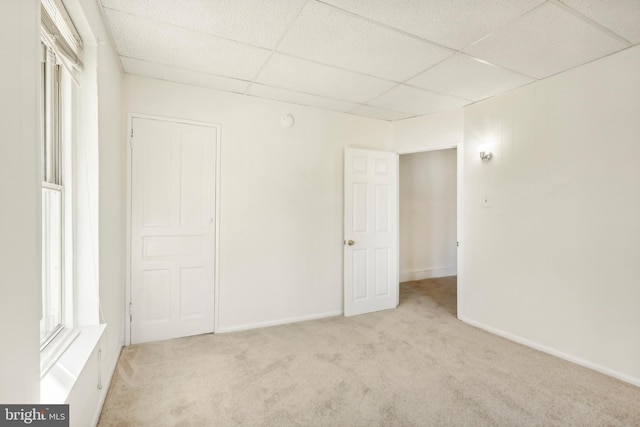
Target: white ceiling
{"points": [[386, 59]]}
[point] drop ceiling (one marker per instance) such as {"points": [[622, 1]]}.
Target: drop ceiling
{"points": [[386, 59]]}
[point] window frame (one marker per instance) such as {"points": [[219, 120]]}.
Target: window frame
{"points": [[62, 285], [53, 167], [61, 96]]}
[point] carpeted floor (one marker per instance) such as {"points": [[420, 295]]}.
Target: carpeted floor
{"points": [[416, 365]]}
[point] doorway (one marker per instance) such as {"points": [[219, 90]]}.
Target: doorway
{"points": [[429, 221]]}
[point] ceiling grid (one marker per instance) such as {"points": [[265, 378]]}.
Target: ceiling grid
{"points": [[385, 59]]}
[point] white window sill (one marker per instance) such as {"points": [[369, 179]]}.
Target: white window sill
{"points": [[56, 348], [66, 364]]}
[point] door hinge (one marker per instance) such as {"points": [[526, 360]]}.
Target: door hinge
{"points": [[130, 312], [457, 244], [131, 131]]}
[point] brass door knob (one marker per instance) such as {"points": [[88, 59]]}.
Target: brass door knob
{"points": [[351, 242]]}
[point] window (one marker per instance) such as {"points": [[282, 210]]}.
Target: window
{"points": [[60, 50], [53, 198]]}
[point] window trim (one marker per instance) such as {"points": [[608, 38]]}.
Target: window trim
{"points": [[53, 180], [57, 113], [63, 279], [61, 56]]}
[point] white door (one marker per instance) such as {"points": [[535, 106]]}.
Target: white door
{"points": [[371, 231], [172, 229]]}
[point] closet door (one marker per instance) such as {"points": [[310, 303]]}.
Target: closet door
{"points": [[172, 229]]}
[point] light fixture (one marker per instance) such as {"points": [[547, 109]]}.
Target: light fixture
{"points": [[485, 156]]}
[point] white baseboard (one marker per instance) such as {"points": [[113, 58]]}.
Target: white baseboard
{"points": [[225, 329], [536, 346], [429, 273], [111, 369]]}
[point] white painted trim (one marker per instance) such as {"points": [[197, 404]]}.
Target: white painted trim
{"points": [[56, 348], [460, 230], [127, 250], [57, 384], [536, 346], [216, 261], [398, 274], [427, 273], [434, 148], [286, 321], [216, 279], [105, 387]]}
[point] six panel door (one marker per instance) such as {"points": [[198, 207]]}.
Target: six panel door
{"points": [[371, 231]]}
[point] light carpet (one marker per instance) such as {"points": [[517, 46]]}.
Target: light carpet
{"points": [[416, 365]]}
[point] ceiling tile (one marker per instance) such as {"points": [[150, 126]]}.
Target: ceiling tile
{"points": [[380, 113], [620, 16], [286, 95], [349, 55], [466, 77], [328, 35], [545, 42], [165, 72], [308, 77], [451, 23], [416, 101], [256, 22], [140, 38]]}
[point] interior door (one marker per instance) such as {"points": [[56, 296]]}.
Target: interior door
{"points": [[172, 229], [371, 231]]}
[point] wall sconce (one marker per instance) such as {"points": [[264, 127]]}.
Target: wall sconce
{"points": [[485, 156]]}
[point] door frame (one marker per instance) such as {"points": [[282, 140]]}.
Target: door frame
{"points": [[129, 211], [459, 210]]}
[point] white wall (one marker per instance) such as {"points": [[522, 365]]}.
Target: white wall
{"points": [[86, 182], [554, 261], [281, 197], [112, 186], [101, 216], [435, 131], [428, 214], [20, 195], [20, 215]]}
